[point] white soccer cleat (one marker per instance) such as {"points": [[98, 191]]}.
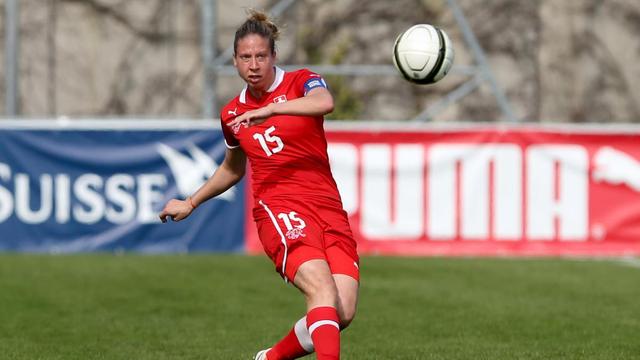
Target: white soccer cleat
{"points": [[262, 354]]}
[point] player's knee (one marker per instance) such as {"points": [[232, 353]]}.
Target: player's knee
{"points": [[322, 291], [316, 282], [347, 315], [326, 293]]}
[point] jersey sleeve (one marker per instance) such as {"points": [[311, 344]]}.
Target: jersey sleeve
{"points": [[308, 80], [229, 140]]}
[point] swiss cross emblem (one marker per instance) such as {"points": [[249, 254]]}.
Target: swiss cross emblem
{"points": [[280, 99], [295, 233]]}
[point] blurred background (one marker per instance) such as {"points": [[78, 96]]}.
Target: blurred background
{"points": [[546, 60], [497, 211]]}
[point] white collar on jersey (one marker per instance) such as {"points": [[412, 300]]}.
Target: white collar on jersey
{"points": [[272, 88]]}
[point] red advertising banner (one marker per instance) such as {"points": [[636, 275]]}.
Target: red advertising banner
{"points": [[485, 191]]}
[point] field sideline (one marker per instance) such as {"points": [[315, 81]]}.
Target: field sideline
{"points": [[229, 306]]}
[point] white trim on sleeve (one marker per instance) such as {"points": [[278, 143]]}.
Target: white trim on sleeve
{"points": [[229, 146]]}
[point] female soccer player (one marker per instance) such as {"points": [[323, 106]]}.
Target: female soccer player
{"points": [[277, 122]]}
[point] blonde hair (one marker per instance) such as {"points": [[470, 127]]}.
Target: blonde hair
{"points": [[258, 23]]}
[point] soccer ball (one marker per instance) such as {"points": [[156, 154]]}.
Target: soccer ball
{"points": [[423, 54]]}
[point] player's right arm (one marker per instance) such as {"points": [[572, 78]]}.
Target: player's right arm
{"points": [[228, 174]]}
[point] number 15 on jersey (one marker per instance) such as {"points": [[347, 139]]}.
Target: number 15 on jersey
{"points": [[271, 144]]}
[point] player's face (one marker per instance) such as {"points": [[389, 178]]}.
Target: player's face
{"points": [[254, 61]]}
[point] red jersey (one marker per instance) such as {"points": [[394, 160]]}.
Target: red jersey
{"points": [[287, 154]]}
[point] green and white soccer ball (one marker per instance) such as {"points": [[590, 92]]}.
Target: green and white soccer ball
{"points": [[423, 54]]}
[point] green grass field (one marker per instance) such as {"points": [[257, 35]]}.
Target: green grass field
{"points": [[228, 307]]}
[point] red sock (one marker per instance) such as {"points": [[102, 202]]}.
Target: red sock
{"points": [[322, 323], [296, 344]]}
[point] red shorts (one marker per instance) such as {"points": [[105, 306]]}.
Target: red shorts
{"points": [[294, 232]]}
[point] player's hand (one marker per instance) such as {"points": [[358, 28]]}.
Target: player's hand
{"points": [[252, 117], [176, 210]]}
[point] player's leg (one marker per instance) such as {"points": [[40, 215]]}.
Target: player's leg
{"points": [[305, 247], [305, 261], [343, 260], [347, 298], [296, 344], [315, 281]]}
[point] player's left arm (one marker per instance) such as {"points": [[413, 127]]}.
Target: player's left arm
{"points": [[317, 102]]}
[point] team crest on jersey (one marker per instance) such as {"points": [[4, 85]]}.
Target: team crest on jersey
{"points": [[280, 99], [295, 233], [236, 127]]}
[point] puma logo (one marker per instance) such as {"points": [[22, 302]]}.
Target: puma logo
{"points": [[616, 167], [192, 170], [236, 128], [232, 112]]}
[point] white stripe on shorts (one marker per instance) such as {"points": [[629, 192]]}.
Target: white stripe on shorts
{"points": [[282, 239], [317, 324]]}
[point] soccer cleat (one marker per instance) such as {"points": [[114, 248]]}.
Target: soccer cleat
{"points": [[262, 354]]}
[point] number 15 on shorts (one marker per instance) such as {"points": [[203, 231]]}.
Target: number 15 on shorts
{"points": [[291, 217], [293, 231]]}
